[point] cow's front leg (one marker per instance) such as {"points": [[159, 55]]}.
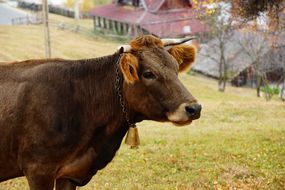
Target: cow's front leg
{"points": [[64, 184], [40, 182]]}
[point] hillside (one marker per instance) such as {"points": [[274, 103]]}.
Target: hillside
{"points": [[239, 142], [26, 42]]}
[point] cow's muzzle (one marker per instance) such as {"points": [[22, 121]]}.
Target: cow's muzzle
{"points": [[185, 114]]}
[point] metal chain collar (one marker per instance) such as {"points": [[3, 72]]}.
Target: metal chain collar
{"points": [[120, 94]]}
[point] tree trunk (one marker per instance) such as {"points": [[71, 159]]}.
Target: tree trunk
{"points": [[267, 92], [223, 73], [282, 96], [220, 77], [258, 85], [221, 86]]}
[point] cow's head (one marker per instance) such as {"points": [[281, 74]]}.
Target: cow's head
{"points": [[152, 88]]}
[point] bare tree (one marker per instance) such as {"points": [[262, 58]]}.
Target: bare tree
{"points": [[274, 10], [276, 60], [265, 57], [220, 26], [255, 46]]}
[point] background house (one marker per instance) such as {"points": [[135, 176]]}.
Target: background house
{"points": [[240, 64], [163, 18]]}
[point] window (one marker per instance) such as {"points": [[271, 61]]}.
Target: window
{"points": [[134, 3]]}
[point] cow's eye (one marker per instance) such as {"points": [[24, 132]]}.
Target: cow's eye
{"points": [[148, 75]]}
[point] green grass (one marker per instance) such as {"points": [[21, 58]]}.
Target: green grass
{"points": [[238, 143]]}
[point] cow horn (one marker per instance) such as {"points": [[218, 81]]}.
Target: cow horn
{"points": [[124, 48], [176, 41]]}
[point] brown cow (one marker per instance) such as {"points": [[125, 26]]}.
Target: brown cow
{"points": [[62, 121]]}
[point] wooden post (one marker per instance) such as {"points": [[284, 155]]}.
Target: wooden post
{"points": [[46, 30], [94, 23], [77, 9], [110, 25]]}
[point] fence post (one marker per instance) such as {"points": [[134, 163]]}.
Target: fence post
{"points": [[46, 29], [28, 21]]}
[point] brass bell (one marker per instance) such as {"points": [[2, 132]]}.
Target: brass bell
{"points": [[132, 137]]}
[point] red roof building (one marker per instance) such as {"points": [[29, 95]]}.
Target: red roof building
{"points": [[163, 18]]}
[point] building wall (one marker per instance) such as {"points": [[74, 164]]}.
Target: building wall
{"points": [[112, 26]]}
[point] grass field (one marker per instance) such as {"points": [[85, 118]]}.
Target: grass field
{"points": [[238, 143], [26, 42]]}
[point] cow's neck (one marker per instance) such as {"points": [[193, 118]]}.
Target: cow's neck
{"points": [[97, 86], [97, 93], [103, 123]]}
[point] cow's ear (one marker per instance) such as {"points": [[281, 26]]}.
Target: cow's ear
{"points": [[129, 67], [184, 54]]}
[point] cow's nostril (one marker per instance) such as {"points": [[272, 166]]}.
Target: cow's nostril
{"points": [[193, 110], [190, 110]]}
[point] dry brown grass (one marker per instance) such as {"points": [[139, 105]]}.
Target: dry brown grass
{"points": [[26, 42]]}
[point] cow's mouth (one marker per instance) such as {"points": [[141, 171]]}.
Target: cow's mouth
{"points": [[181, 123], [184, 114]]}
